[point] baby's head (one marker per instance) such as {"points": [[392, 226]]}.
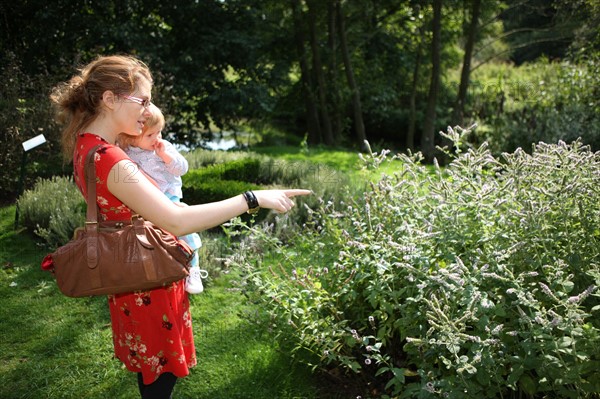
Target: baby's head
{"points": [[151, 132]]}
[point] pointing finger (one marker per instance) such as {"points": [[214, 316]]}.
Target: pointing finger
{"points": [[296, 192]]}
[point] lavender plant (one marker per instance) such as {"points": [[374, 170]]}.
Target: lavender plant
{"points": [[53, 209]]}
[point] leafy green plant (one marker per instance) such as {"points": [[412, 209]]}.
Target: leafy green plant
{"points": [[479, 280], [53, 209]]}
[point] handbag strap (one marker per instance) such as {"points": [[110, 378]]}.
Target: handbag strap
{"points": [[91, 224], [90, 178]]}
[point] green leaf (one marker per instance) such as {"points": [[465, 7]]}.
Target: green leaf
{"points": [[410, 373], [399, 374], [515, 375], [564, 342], [568, 285], [528, 385]]}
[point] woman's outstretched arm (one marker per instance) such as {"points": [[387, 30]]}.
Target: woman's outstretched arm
{"points": [[131, 187]]}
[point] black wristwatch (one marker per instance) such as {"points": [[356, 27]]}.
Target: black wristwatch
{"points": [[252, 202]]}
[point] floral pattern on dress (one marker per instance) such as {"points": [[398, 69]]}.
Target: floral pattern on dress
{"points": [[139, 320]]}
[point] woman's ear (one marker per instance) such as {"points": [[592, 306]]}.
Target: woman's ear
{"points": [[109, 99]]}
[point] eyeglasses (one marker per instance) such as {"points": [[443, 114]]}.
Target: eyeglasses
{"points": [[143, 102]]}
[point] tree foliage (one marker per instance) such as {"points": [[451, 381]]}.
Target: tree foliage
{"points": [[336, 71]]}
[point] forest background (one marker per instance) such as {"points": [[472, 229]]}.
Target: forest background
{"points": [[333, 73]]}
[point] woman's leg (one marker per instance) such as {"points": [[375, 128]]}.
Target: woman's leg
{"points": [[141, 385], [159, 389]]}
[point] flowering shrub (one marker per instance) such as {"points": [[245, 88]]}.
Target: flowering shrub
{"points": [[53, 209], [478, 280]]}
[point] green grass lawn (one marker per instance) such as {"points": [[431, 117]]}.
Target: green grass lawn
{"points": [[52, 346]]}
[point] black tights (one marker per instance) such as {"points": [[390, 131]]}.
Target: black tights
{"points": [[159, 389]]}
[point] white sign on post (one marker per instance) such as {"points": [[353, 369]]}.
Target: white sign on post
{"points": [[34, 142]]}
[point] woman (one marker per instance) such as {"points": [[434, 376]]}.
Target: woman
{"points": [[152, 330]]}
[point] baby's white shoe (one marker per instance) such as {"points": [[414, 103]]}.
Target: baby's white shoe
{"points": [[193, 284]]}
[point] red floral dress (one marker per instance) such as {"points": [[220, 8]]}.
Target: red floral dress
{"points": [[152, 330]]}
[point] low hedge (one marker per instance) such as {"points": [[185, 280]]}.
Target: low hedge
{"points": [[211, 190], [241, 170]]}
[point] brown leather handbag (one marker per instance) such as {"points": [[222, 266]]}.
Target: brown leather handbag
{"points": [[116, 257]]}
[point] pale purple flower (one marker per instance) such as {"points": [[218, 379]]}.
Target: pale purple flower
{"points": [[497, 329], [581, 297], [429, 387]]}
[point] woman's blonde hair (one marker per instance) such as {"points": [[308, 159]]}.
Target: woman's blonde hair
{"points": [[155, 119], [78, 101]]}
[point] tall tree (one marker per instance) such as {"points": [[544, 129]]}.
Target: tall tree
{"points": [[312, 117], [359, 125], [428, 138], [471, 34], [334, 92], [319, 73], [412, 116]]}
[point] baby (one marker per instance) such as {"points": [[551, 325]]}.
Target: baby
{"points": [[160, 160]]}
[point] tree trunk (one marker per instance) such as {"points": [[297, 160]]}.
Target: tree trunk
{"points": [[428, 139], [459, 106], [312, 116], [359, 125], [319, 74], [334, 89], [410, 136]]}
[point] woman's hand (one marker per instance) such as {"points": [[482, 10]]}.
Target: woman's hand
{"points": [[278, 200]]}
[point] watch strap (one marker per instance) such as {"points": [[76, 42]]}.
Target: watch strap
{"points": [[252, 202]]}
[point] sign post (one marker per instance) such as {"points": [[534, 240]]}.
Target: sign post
{"points": [[27, 145]]}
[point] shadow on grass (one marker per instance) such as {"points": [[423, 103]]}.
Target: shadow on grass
{"points": [[51, 346], [237, 364], [57, 347], [238, 358]]}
